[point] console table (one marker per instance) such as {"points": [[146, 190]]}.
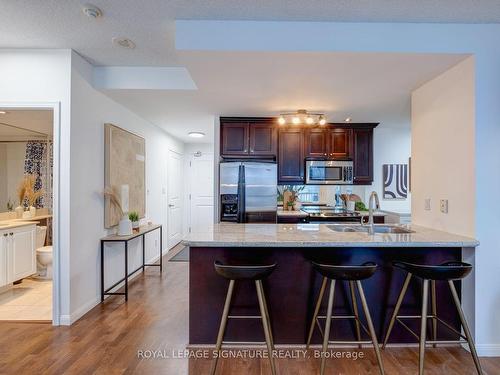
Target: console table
{"points": [[143, 230]]}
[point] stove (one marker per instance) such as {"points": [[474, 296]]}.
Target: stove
{"points": [[331, 214]]}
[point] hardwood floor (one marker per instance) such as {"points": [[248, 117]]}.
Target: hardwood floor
{"points": [[115, 338]]}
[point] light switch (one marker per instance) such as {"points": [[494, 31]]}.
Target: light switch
{"points": [[427, 204], [443, 205]]}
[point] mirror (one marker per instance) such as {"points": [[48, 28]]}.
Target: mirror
{"points": [[26, 158]]}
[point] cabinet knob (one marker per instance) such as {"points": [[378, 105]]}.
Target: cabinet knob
{"points": [[11, 233], [5, 234]]}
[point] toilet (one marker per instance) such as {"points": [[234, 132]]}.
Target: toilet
{"points": [[43, 254]]}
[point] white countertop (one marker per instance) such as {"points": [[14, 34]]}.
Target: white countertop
{"points": [[10, 224], [318, 235], [301, 213]]}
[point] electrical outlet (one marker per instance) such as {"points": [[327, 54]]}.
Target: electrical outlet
{"points": [[443, 206], [427, 204]]}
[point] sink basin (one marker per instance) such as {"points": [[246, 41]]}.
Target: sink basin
{"points": [[378, 228]]}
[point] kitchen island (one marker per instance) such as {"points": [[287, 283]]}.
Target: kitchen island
{"points": [[293, 287]]}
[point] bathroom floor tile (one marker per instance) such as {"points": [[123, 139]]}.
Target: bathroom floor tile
{"points": [[29, 300]]}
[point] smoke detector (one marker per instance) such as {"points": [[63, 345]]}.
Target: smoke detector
{"points": [[124, 42], [92, 11]]}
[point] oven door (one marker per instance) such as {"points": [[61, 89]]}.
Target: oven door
{"points": [[324, 173]]}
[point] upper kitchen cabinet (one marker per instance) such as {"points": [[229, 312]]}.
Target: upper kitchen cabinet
{"points": [[263, 139], [248, 137], [316, 142], [339, 141], [291, 155], [363, 155]]}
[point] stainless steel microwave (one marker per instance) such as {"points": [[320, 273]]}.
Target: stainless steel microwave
{"points": [[329, 172]]}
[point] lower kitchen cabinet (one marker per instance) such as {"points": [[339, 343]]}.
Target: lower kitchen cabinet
{"points": [[17, 254]]}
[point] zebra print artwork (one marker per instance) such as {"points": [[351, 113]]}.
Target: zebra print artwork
{"points": [[395, 181]]}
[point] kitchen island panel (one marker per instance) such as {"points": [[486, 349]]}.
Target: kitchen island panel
{"points": [[292, 289]]}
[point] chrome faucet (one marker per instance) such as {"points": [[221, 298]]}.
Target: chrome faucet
{"points": [[373, 200]]}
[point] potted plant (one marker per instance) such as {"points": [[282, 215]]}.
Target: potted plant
{"points": [[134, 218]]}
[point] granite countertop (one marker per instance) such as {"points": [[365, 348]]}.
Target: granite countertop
{"points": [[318, 235], [294, 213], [10, 224]]}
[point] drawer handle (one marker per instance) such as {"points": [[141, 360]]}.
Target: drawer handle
{"points": [[11, 233]]}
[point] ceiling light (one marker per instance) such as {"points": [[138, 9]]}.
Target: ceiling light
{"points": [[302, 116], [3, 112], [124, 42], [348, 119], [91, 11], [196, 134]]}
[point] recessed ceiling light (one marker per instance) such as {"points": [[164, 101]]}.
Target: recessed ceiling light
{"points": [[91, 11], [348, 119], [124, 42], [3, 112], [196, 134]]}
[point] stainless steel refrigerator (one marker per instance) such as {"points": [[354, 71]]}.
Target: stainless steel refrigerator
{"points": [[248, 191]]}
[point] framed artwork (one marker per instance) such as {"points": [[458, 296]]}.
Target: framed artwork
{"points": [[124, 166], [395, 181]]}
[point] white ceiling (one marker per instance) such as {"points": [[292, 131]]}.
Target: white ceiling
{"points": [[150, 23], [364, 86], [25, 124]]}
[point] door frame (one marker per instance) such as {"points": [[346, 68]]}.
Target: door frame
{"points": [[167, 197], [57, 231]]}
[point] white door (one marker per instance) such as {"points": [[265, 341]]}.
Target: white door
{"points": [[3, 258], [174, 199], [201, 210], [23, 252]]}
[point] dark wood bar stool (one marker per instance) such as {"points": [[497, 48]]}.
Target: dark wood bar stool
{"points": [[247, 272], [447, 271], [354, 275]]}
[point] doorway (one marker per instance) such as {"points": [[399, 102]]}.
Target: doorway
{"points": [[26, 214], [174, 198]]}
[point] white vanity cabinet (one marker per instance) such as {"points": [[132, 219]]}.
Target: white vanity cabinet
{"points": [[17, 253]]}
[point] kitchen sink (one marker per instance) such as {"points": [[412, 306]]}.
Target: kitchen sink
{"points": [[378, 228]]}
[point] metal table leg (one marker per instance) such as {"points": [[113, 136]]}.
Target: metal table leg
{"points": [[102, 271], [126, 270]]}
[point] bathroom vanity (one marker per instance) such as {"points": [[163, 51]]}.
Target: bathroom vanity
{"points": [[17, 251]]}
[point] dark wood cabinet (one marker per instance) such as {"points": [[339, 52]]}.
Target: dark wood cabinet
{"points": [[339, 143], [316, 142], [263, 139], [363, 156], [248, 137], [291, 158], [234, 139]]}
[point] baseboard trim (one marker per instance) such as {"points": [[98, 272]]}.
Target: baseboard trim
{"points": [[488, 350], [67, 320]]}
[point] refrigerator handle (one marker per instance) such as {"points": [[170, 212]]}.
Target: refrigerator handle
{"points": [[241, 194]]}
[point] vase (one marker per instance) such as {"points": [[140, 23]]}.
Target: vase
{"points": [[19, 212], [32, 211], [135, 224], [125, 226], [26, 215]]}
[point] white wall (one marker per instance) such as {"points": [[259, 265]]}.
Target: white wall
{"points": [[443, 150], [391, 145], [90, 109], [43, 76]]}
